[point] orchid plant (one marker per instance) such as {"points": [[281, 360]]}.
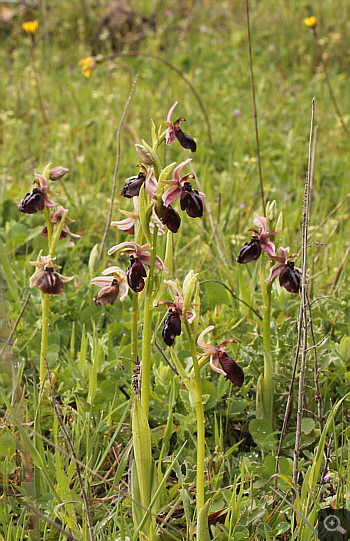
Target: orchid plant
{"points": [[289, 278], [46, 278], [154, 195]]}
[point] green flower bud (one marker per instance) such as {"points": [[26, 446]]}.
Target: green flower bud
{"points": [[188, 289], [147, 154], [58, 172]]}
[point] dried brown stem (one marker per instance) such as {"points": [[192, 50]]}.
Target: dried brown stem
{"points": [[328, 82], [36, 78], [108, 222], [255, 111], [180, 74], [15, 325], [340, 269], [303, 308], [318, 395]]}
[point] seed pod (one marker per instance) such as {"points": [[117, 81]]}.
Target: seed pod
{"points": [[250, 252], [172, 327], [290, 278], [108, 294], [49, 282], [135, 274], [232, 370], [32, 202]]}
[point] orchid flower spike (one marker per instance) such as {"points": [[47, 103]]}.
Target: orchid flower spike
{"points": [[175, 132], [172, 323], [113, 283], [251, 251], [229, 368], [38, 199], [289, 275], [46, 278]]}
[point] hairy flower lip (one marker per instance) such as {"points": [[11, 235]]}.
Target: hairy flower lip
{"points": [[175, 189], [47, 262], [106, 280], [284, 264], [230, 369]]}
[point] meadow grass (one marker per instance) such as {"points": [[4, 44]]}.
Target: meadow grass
{"points": [[89, 346]]}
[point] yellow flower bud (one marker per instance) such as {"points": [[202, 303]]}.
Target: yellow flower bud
{"points": [[310, 21], [30, 27]]}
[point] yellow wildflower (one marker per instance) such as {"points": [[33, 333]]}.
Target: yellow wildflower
{"points": [[88, 64], [310, 21], [30, 27]]}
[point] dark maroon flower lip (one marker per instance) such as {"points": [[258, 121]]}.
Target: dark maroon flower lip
{"points": [[32, 202], [49, 282], [108, 294], [170, 218], [251, 251], [185, 140], [135, 274], [191, 201], [289, 278], [232, 370], [133, 185], [172, 326]]}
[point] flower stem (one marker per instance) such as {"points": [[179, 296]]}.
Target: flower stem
{"points": [[147, 330], [268, 383], [45, 311], [135, 315], [200, 423]]}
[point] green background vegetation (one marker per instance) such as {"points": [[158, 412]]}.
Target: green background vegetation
{"points": [[207, 41]]}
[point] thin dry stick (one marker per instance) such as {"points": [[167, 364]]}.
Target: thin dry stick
{"points": [[318, 395], [255, 111], [15, 325], [41, 515], [326, 220], [289, 405], [304, 305], [340, 269], [180, 74], [312, 171], [328, 81], [234, 296], [37, 86], [116, 168], [72, 448]]}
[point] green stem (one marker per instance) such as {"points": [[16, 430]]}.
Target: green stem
{"points": [[147, 330], [135, 316], [200, 423], [45, 311], [48, 225], [56, 234], [268, 383]]}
